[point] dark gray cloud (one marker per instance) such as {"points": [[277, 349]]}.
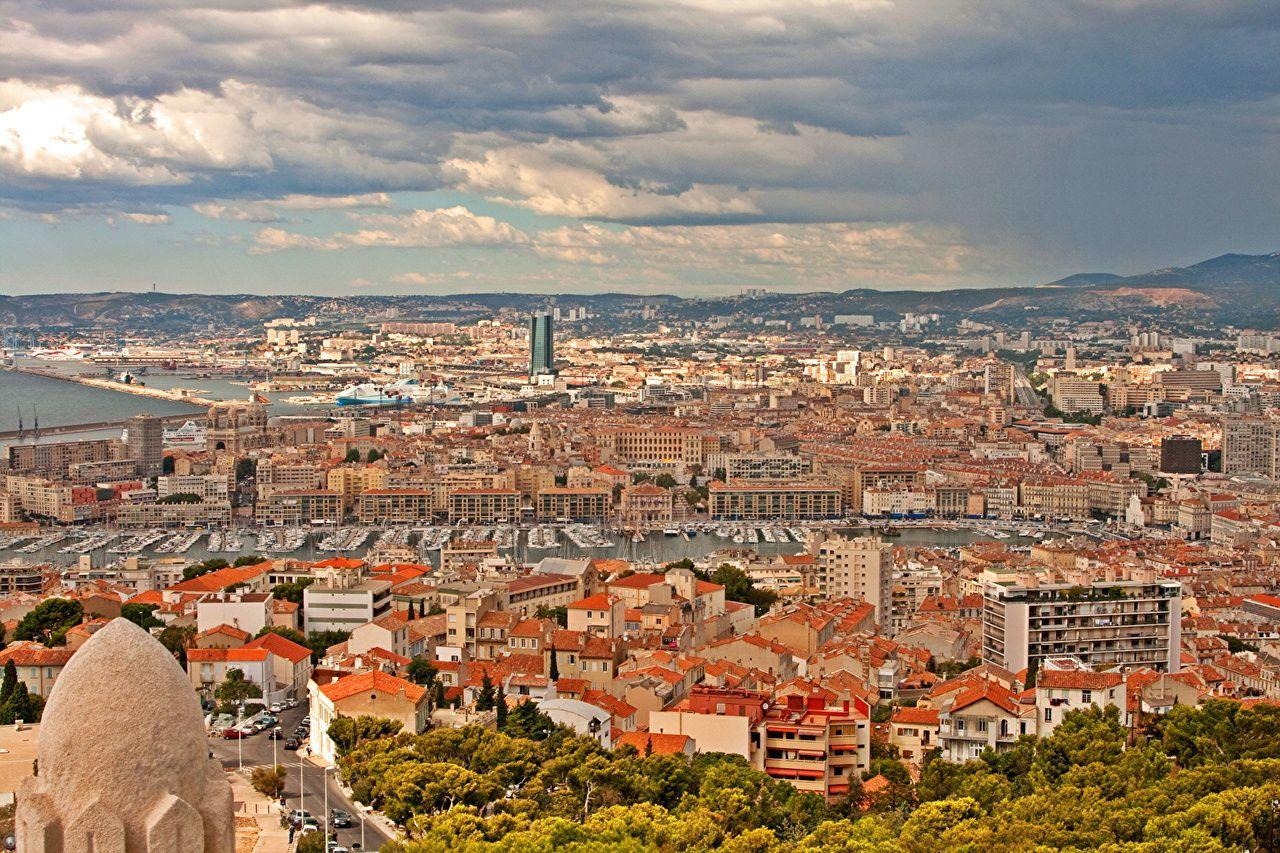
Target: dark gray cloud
{"points": [[1027, 119]]}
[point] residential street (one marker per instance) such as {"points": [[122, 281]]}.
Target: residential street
{"points": [[257, 749]]}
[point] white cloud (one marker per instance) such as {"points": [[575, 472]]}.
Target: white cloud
{"points": [[453, 226], [535, 179], [146, 218], [268, 210]]}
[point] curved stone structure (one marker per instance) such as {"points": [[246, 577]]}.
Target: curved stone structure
{"points": [[124, 766]]}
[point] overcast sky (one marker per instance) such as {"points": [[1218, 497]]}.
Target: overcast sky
{"points": [[694, 146]]}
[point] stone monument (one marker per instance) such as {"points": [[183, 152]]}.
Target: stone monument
{"points": [[124, 764]]}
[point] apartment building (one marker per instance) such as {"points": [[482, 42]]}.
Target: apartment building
{"points": [[216, 487], [1251, 446], [352, 481], [773, 501], [204, 514], [340, 601], [579, 504], [395, 506], [1073, 393], [299, 506], [1068, 684], [761, 466], [484, 506], [815, 747], [859, 568], [1107, 622]]}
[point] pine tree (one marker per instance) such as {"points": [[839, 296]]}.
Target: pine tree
{"points": [[439, 698], [411, 616], [554, 672]]}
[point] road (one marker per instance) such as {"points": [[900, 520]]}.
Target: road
{"points": [[258, 750]]}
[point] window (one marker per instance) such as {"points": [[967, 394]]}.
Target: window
{"points": [[1048, 715], [1086, 696]]}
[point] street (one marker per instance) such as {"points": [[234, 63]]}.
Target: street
{"points": [[257, 749]]}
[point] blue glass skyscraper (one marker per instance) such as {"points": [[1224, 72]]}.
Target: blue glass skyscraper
{"points": [[542, 359]]}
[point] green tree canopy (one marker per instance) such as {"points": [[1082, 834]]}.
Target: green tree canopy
{"points": [[49, 621]]}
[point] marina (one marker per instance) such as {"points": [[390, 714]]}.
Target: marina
{"points": [[524, 544]]}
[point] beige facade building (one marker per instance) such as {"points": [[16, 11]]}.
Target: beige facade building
{"points": [[860, 568]]}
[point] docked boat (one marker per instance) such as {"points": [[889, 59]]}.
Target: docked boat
{"points": [[369, 394], [191, 435]]}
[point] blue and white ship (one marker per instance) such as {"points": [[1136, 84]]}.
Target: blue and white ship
{"points": [[369, 394]]}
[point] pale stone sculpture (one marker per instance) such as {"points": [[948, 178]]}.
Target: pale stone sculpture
{"points": [[124, 766]]}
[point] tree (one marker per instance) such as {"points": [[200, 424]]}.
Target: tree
{"points": [[738, 586], [21, 705], [142, 615], [288, 633], [347, 733], [665, 481], [488, 694], [234, 690], [49, 621], [420, 671], [246, 468], [269, 781], [353, 455], [312, 842], [197, 569], [559, 614], [291, 591], [320, 641], [177, 639], [438, 701], [247, 560], [554, 672], [373, 456], [526, 721]]}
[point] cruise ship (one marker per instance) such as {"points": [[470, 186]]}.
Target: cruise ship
{"points": [[369, 394], [190, 435]]}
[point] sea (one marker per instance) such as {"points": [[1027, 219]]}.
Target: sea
{"points": [[61, 403]]}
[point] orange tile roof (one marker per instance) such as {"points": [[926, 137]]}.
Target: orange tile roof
{"points": [[653, 743], [373, 680], [281, 647]]}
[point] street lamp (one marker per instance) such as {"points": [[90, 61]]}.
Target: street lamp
{"points": [[324, 780], [240, 733]]}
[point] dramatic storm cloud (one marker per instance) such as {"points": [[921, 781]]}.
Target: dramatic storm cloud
{"points": [[636, 144]]}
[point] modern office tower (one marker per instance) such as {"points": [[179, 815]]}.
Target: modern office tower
{"points": [[542, 358], [1250, 446], [1180, 454], [146, 444], [1130, 623]]}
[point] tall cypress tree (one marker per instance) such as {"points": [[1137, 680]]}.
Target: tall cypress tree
{"points": [[10, 682]]}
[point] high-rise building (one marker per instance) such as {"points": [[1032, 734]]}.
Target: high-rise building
{"points": [[860, 568], [1118, 622], [542, 359], [1251, 446], [146, 444], [1180, 454]]}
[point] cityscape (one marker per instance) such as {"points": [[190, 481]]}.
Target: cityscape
{"points": [[632, 427]]}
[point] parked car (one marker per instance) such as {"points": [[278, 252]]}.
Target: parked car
{"points": [[340, 819], [277, 733], [335, 847], [298, 817], [292, 743], [291, 703], [276, 707], [233, 734]]}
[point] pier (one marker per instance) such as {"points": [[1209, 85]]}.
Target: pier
{"points": [[123, 387], [65, 429]]}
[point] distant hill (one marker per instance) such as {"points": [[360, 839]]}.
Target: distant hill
{"points": [[1086, 279], [1243, 289]]}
